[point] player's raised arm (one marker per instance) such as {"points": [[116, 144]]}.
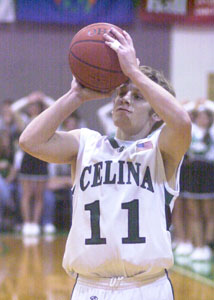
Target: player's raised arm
{"points": [[176, 136], [41, 138]]}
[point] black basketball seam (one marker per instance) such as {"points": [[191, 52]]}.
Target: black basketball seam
{"points": [[92, 86], [83, 41], [82, 61], [95, 67]]}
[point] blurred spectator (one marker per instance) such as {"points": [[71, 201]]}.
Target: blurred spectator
{"points": [[200, 192], [7, 174], [10, 121], [33, 172], [58, 192], [59, 187], [104, 114], [182, 239], [193, 214], [193, 219]]}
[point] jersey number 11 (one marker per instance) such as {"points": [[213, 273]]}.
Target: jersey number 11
{"points": [[133, 223]]}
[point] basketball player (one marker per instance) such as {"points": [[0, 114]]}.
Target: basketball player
{"points": [[119, 245]]}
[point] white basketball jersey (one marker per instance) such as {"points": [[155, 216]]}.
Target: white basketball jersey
{"points": [[121, 203]]}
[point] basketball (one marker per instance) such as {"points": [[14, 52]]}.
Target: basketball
{"points": [[92, 62]]}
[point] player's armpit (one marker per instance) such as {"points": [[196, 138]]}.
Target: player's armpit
{"points": [[173, 145]]}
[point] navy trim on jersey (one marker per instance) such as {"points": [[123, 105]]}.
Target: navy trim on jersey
{"points": [[74, 285], [73, 189], [113, 142], [72, 196], [167, 275], [168, 196], [168, 214]]}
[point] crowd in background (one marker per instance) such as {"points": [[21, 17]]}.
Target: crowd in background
{"points": [[193, 222], [31, 190], [36, 197]]}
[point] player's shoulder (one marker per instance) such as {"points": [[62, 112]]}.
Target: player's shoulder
{"points": [[87, 134]]}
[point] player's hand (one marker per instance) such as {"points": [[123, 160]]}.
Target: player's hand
{"points": [[123, 45], [85, 94]]}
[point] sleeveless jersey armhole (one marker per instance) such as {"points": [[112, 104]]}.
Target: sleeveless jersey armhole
{"points": [[170, 189]]}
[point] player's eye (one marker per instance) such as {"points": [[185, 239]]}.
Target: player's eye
{"points": [[121, 93], [138, 97]]}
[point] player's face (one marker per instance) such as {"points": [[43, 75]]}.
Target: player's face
{"points": [[131, 112], [202, 119]]}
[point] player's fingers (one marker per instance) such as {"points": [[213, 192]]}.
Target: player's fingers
{"points": [[108, 38], [118, 35], [128, 37], [73, 81], [115, 45]]}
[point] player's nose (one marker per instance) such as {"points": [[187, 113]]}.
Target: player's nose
{"points": [[127, 98]]}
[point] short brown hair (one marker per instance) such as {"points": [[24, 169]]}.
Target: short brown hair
{"points": [[158, 78]]}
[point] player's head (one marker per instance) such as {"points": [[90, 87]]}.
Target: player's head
{"points": [[139, 115], [158, 77]]}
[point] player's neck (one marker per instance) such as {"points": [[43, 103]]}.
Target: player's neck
{"points": [[121, 135]]}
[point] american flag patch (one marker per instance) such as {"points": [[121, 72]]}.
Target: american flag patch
{"points": [[144, 146]]}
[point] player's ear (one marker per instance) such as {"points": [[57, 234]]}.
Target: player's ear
{"points": [[155, 117]]}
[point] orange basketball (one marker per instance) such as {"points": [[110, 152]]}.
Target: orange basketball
{"points": [[92, 62]]}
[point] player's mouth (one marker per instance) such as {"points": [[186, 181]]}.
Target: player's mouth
{"points": [[120, 108]]}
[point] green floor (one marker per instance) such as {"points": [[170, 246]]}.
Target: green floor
{"points": [[200, 270]]}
